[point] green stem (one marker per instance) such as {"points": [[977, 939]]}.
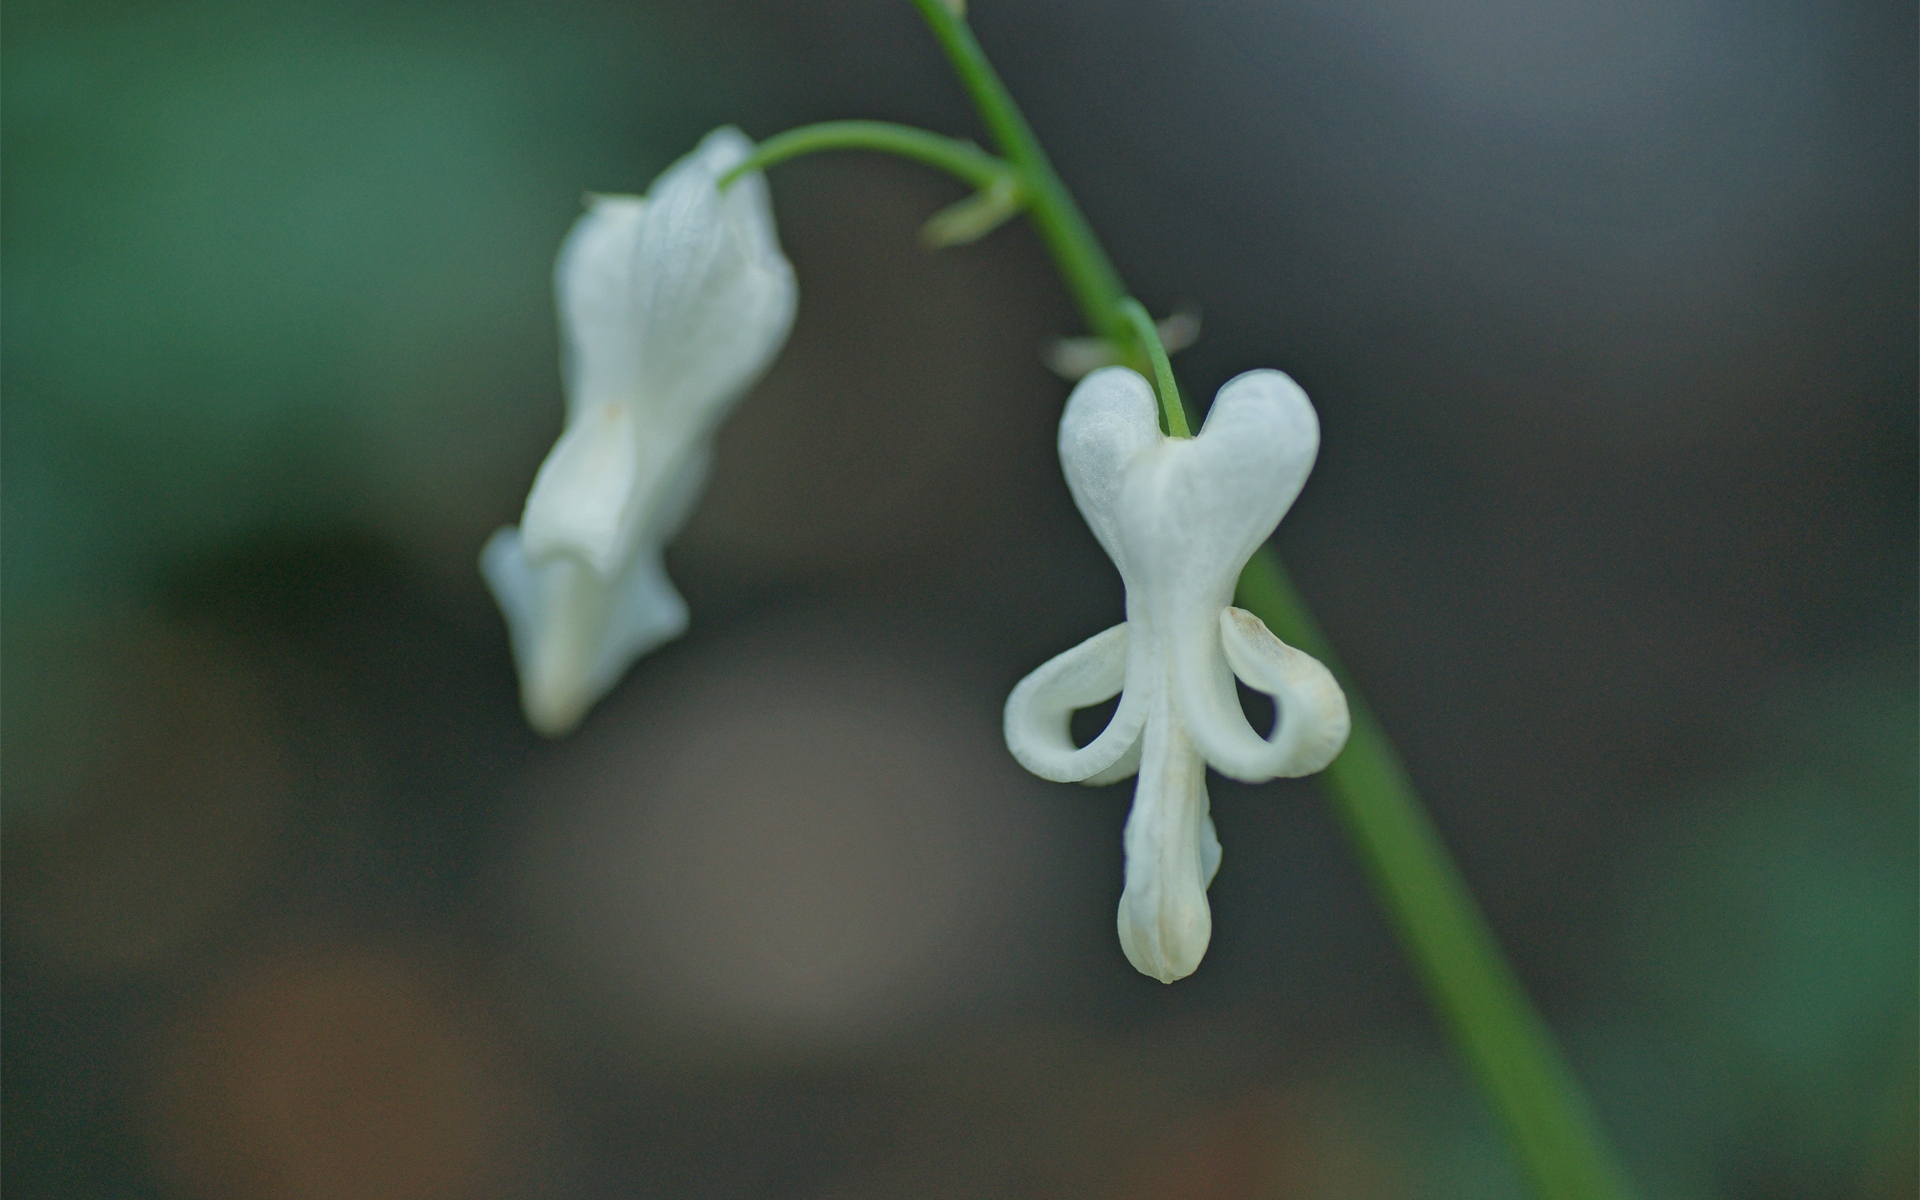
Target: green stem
{"points": [[1082, 261], [963, 160], [1503, 1039], [1505, 1042], [1173, 413]]}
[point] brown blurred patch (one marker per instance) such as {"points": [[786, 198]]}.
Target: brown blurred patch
{"points": [[1296, 1144], [146, 786], [1221, 1155], [347, 1074]]}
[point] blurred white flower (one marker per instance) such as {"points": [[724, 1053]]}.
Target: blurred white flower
{"points": [[1076, 358], [671, 306], [1179, 517]]}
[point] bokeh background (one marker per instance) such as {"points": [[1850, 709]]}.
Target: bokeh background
{"points": [[1609, 312]]}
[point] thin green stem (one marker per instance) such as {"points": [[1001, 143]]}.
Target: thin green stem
{"points": [[963, 160], [1503, 1039], [1507, 1045], [1173, 412], [1083, 263]]}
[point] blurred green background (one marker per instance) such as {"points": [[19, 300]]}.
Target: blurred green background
{"points": [[1609, 313]]}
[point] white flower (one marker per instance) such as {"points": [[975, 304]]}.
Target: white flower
{"points": [[671, 306], [1179, 517]]}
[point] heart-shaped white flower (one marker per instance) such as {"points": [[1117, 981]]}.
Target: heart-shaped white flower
{"points": [[671, 305], [1179, 517]]}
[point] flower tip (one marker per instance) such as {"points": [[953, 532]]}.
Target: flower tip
{"points": [[1164, 920], [723, 149], [550, 717], [1163, 957], [554, 694]]}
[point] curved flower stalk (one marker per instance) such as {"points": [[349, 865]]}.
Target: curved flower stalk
{"points": [[671, 305], [1179, 517]]}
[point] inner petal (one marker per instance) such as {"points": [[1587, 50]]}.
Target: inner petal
{"points": [[1164, 920]]}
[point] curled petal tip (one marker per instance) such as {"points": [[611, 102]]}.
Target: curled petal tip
{"points": [[1040, 710], [1310, 709]]}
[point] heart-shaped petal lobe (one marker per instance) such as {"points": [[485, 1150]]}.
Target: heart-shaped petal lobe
{"points": [[1110, 421], [1193, 510]]}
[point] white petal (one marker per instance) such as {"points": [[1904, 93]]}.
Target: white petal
{"points": [[1193, 511], [1310, 711], [671, 504], [1164, 920], [1041, 707], [1124, 767], [594, 288], [1110, 421], [587, 496], [1209, 850], [676, 303], [573, 631], [645, 612]]}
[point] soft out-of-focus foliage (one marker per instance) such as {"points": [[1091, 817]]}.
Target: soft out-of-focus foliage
{"points": [[1608, 313], [1766, 938], [267, 263]]}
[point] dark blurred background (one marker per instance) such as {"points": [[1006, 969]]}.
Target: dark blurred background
{"points": [[1609, 312]]}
